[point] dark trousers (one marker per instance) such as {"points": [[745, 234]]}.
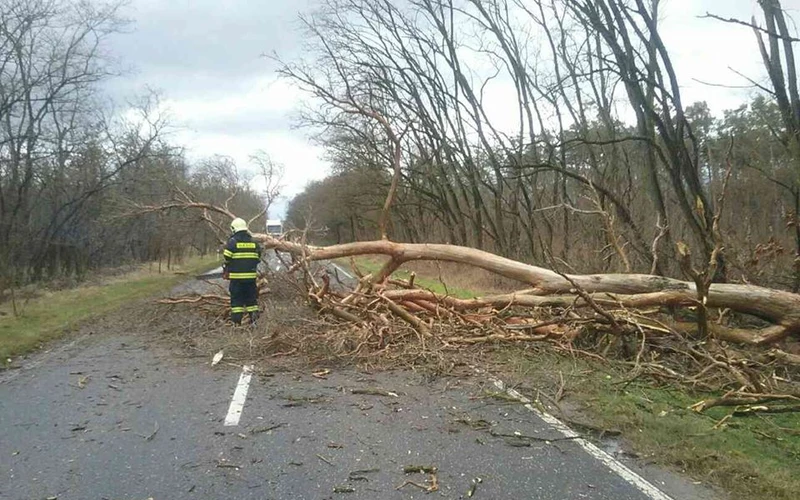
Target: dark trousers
{"points": [[244, 299]]}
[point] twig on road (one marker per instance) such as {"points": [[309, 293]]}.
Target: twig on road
{"points": [[150, 436]]}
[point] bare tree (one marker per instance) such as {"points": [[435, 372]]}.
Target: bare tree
{"points": [[270, 173]]}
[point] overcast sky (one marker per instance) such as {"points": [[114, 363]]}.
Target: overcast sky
{"points": [[204, 57]]}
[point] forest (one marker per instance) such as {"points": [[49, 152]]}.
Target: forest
{"points": [[595, 159], [75, 168]]}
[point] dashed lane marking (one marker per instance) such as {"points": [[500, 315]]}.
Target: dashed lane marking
{"points": [[239, 397]]}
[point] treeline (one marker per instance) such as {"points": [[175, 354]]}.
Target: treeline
{"points": [[593, 162], [76, 175]]}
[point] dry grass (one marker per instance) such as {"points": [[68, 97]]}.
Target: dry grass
{"points": [[464, 277], [449, 278]]}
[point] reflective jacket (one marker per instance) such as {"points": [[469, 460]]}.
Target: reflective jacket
{"points": [[242, 256]]}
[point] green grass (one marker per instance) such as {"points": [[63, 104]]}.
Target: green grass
{"points": [[434, 284], [51, 314], [750, 457]]}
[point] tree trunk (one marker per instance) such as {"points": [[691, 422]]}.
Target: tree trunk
{"points": [[552, 289]]}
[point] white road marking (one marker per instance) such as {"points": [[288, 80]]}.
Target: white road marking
{"points": [[621, 470], [239, 397], [342, 271]]}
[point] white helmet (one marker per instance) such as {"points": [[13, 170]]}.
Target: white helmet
{"points": [[238, 225]]}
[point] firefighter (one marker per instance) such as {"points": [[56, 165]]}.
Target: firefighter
{"points": [[242, 256]]}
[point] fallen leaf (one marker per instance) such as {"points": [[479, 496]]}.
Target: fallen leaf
{"points": [[217, 358]]}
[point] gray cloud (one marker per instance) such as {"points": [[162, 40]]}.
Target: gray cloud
{"points": [[187, 46], [205, 57], [239, 124]]}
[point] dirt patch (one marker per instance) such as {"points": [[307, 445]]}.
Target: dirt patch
{"points": [[452, 276], [466, 277]]}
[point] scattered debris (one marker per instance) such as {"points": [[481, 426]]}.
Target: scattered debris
{"points": [[523, 437], [425, 469], [322, 374], [336, 446], [593, 429], [225, 465], [295, 401], [517, 442], [479, 424], [375, 392], [150, 436], [324, 459], [429, 486], [501, 395], [82, 381], [344, 489], [217, 358], [359, 475], [475, 482], [259, 430]]}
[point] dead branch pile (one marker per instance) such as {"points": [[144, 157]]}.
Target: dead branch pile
{"points": [[633, 319]]}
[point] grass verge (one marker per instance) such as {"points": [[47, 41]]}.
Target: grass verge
{"points": [[51, 314], [748, 456]]}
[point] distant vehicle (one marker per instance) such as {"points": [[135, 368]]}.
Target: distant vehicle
{"points": [[274, 227]]}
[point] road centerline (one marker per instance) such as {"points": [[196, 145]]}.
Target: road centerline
{"points": [[239, 397]]}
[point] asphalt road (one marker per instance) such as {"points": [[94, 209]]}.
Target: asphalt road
{"points": [[123, 416]]}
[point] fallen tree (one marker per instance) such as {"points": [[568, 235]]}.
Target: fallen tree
{"points": [[551, 289], [628, 317]]}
